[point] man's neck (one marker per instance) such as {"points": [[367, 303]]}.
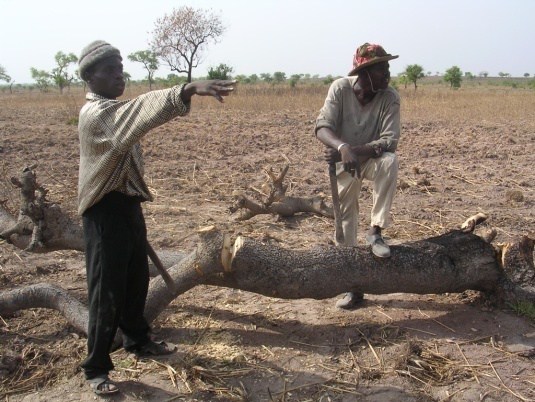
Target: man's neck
{"points": [[364, 96]]}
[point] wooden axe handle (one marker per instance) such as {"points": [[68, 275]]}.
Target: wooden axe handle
{"points": [[159, 266]]}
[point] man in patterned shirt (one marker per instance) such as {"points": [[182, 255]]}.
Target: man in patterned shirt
{"points": [[360, 124], [111, 188]]}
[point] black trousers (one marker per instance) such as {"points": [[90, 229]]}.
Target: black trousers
{"points": [[117, 278]]}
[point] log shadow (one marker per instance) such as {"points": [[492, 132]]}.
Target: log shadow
{"points": [[422, 320]]}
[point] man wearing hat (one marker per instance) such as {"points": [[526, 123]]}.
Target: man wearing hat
{"points": [[111, 189], [360, 125]]}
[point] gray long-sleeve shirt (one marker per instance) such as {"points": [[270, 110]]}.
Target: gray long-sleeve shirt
{"points": [[376, 123], [110, 154]]}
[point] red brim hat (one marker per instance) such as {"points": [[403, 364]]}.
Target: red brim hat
{"points": [[367, 55]]}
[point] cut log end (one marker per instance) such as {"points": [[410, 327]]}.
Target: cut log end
{"points": [[226, 254], [470, 224], [238, 244], [229, 250]]}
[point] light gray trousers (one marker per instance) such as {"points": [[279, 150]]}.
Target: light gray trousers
{"points": [[383, 172]]}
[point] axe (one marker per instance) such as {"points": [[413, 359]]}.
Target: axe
{"points": [[338, 230], [161, 269]]}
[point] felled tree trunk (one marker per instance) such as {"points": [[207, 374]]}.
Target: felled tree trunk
{"points": [[449, 263], [60, 232], [453, 262]]}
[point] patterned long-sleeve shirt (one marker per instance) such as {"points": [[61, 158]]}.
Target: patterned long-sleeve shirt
{"points": [[376, 123], [111, 158]]}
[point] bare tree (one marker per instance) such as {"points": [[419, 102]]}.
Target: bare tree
{"points": [[180, 37]]}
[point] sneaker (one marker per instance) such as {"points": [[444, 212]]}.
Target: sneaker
{"points": [[350, 300], [379, 247]]}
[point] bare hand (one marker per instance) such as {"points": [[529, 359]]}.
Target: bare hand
{"points": [[215, 88], [351, 163], [331, 155], [378, 150], [350, 160]]}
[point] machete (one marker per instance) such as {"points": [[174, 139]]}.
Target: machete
{"points": [[338, 229]]}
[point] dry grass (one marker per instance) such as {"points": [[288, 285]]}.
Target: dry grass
{"points": [[26, 367], [428, 103], [472, 105]]}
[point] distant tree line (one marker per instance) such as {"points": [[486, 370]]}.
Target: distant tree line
{"points": [[180, 39], [415, 72]]}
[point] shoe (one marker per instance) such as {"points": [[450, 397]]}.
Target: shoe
{"points": [[102, 385], [379, 247], [152, 348], [350, 300]]}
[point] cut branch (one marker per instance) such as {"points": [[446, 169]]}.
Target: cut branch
{"points": [[44, 295], [276, 202], [41, 226]]}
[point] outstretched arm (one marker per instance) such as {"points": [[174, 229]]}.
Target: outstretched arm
{"points": [[215, 88]]}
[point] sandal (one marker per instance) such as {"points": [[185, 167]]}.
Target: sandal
{"points": [[152, 348], [102, 386]]}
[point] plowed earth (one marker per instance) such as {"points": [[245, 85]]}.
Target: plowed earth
{"points": [[235, 345]]}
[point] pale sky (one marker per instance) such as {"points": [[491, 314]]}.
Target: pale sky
{"points": [[292, 36]]}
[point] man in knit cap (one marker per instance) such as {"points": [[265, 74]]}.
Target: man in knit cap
{"points": [[111, 189], [360, 125]]}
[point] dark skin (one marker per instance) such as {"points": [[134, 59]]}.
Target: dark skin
{"points": [[106, 79], [370, 80]]}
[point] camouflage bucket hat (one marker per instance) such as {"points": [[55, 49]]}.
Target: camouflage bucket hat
{"points": [[369, 54]]}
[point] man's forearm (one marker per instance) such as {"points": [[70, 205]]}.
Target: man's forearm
{"points": [[329, 138]]}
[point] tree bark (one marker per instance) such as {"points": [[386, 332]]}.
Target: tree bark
{"points": [[450, 263], [60, 233], [453, 262], [44, 295]]}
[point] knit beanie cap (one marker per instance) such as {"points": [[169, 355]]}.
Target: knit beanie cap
{"points": [[95, 52]]}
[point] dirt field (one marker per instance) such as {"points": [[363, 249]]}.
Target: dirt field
{"points": [[461, 152]]}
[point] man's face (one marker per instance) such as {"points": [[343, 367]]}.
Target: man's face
{"points": [[106, 78], [379, 75]]}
